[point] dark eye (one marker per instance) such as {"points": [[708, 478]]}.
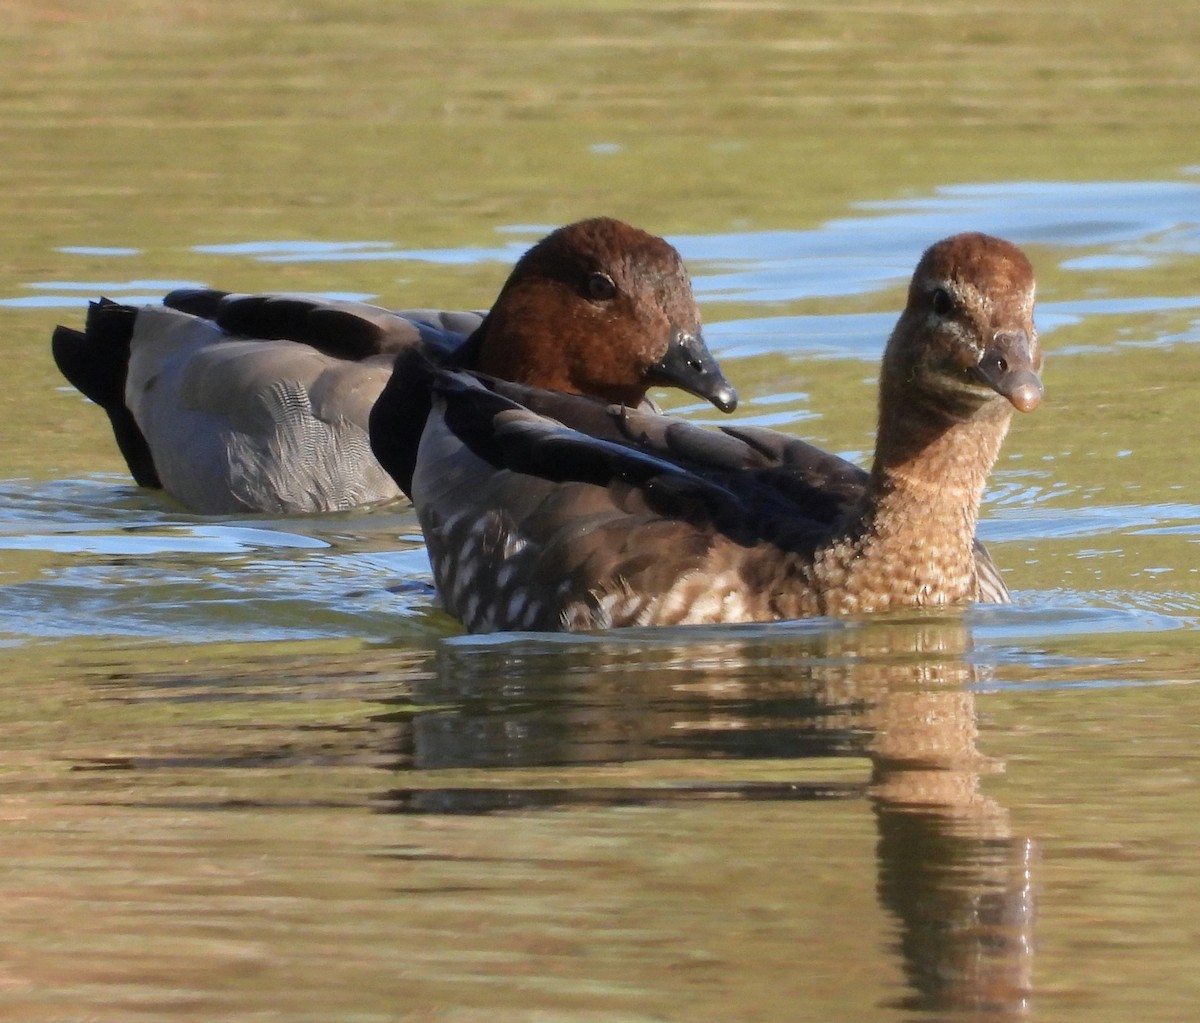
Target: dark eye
{"points": [[943, 304], [600, 286]]}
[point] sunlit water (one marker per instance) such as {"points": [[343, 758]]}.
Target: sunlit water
{"points": [[194, 631], [251, 772]]}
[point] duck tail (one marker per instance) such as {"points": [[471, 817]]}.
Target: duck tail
{"points": [[95, 361]]}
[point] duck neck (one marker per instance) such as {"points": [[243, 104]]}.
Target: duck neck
{"points": [[911, 539]]}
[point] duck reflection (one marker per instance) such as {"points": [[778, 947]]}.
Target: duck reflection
{"points": [[894, 696], [951, 870]]}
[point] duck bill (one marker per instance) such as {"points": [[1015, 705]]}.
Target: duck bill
{"points": [[689, 365], [1010, 366]]}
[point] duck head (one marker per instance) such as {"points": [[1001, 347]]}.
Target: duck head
{"points": [[600, 307], [965, 345]]}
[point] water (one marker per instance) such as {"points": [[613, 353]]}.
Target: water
{"points": [[251, 772]]}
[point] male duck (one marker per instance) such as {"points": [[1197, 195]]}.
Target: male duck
{"points": [[260, 403], [551, 512]]}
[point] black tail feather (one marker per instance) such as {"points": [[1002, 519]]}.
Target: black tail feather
{"points": [[95, 361]]}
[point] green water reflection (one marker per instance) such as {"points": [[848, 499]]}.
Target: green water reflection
{"points": [[243, 779]]}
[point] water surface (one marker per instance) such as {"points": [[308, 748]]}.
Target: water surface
{"points": [[250, 771]]}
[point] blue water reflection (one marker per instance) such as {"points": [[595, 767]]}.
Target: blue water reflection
{"points": [[1136, 224]]}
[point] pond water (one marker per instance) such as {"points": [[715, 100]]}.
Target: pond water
{"points": [[250, 771]]}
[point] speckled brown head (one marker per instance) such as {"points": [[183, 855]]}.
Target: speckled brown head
{"points": [[966, 338], [602, 308]]}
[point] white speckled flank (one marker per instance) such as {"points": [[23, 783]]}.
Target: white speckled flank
{"points": [[723, 600]]}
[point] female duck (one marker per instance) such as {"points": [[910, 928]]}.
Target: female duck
{"points": [[260, 403], [548, 512]]}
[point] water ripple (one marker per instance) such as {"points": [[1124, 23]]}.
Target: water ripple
{"points": [[1132, 225]]}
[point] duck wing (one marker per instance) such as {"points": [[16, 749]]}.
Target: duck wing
{"points": [[533, 523], [522, 428], [343, 329], [252, 425]]}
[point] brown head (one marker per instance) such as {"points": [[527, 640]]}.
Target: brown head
{"points": [[965, 346], [600, 307]]}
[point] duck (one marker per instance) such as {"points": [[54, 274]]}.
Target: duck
{"points": [[550, 512], [259, 403]]}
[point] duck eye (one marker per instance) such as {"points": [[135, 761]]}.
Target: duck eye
{"points": [[942, 302], [600, 286]]}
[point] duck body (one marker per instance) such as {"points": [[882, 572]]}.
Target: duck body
{"points": [[227, 423], [252, 424], [553, 512], [261, 403]]}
